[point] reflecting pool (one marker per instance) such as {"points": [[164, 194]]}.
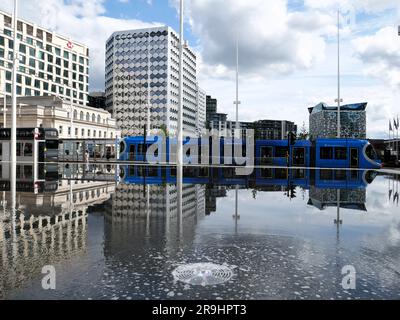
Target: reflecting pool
{"points": [[116, 232]]}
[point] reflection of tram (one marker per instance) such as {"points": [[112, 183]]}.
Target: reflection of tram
{"points": [[42, 178], [321, 153], [321, 178], [33, 144]]}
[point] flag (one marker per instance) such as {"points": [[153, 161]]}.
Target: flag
{"points": [[395, 124], [390, 126], [390, 194], [398, 123]]}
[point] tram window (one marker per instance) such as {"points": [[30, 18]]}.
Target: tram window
{"points": [[132, 152], [325, 175], [326, 153], [28, 150], [1, 149], [281, 152], [354, 175], [341, 153], [266, 173], [340, 175], [266, 152], [281, 173]]}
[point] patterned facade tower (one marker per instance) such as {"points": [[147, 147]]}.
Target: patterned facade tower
{"points": [[127, 73], [353, 121]]}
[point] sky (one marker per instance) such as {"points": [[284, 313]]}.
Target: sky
{"points": [[287, 49]]}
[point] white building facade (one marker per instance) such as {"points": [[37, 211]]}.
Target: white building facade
{"points": [[126, 80], [201, 109], [49, 64]]}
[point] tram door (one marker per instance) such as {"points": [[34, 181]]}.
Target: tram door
{"points": [[354, 157]]}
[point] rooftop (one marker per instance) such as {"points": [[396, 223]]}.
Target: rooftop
{"points": [[347, 107]]}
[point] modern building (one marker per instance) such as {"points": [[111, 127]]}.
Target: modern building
{"points": [[273, 129], [201, 111], [127, 76], [217, 121], [211, 107], [49, 64], [323, 121], [97, 100]]}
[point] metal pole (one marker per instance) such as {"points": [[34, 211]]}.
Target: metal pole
{"points": [[237, 84], [4, 110], [148, 86], [71, 112], [338, 59], [14, 93], [179, 153]]}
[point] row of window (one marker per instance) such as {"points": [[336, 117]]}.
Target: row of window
{"points": [[101, 134], [49, 48]]}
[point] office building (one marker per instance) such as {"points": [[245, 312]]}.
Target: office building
{"points": [[211, 107], [353, 121], [97, 100], [48, 63], [127, 74]]}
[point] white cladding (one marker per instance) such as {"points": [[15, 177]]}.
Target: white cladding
{"points": [[127, 77]]}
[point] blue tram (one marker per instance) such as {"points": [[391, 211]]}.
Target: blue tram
{"points": [[321, 153]]}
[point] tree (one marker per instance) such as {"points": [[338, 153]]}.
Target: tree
{"points": [[303, 134]]}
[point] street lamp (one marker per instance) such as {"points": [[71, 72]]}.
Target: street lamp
{"points": [[3, 89], [148, 86], [338, 100], [14, 91]]}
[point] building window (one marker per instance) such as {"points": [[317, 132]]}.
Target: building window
{"points": [[69, 130], [93, 117], [94, 133], [87, 116], [83, 132], [75, 114], [60, 130], [88, 132], [98, 119], [76, 132]]}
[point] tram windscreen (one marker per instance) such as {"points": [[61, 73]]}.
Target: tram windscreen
{"points": [[370, 152]]}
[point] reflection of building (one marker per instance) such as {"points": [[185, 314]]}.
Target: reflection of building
{"points": [[127, 79], [354, 199], [323, 121], [130, 200], [47, 61], [49, 226], [211, 195]]}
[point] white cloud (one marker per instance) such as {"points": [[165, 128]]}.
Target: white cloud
{"points": [[272, 41], [381, 55]]}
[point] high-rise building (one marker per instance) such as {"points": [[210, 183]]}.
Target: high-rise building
{"points": [[201, 109], [48, 63], [211, 107], [353, 121], [127, 76], [97, 100]]}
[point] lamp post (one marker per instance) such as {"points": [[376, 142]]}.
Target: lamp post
{"points": [[14, 93], [179, 153], [3, 89], [338, 100], [148, 86]]}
